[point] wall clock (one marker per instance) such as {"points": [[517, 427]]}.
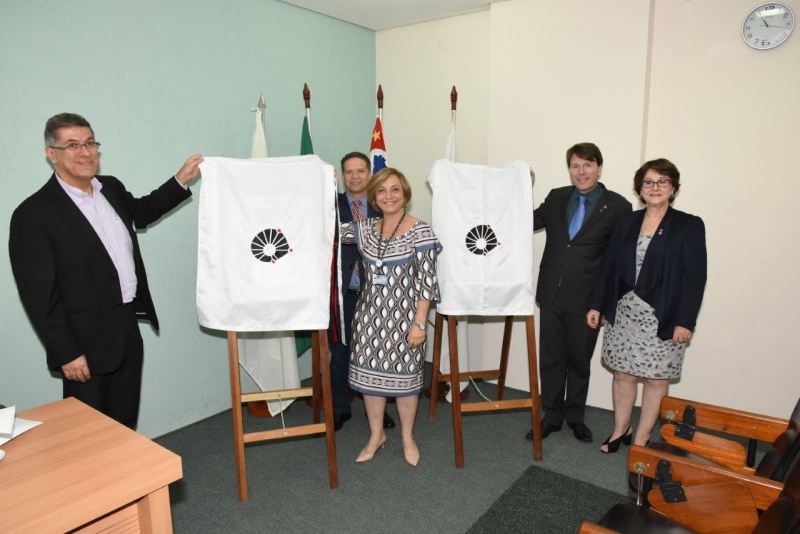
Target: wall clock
{"points": [[768, 25]]}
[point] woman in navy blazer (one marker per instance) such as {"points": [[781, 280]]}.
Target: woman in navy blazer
{"points": [[649, 294]]}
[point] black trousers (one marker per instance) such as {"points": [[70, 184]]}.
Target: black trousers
{"points": [[116, 394], [340, 357], [565, 353]]}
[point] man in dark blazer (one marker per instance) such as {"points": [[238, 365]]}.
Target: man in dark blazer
{"points": [[79, 270], [579, 220], [356, 171]]}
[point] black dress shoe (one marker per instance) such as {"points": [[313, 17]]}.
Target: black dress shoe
{"points": [[581, 432], [339, 419], [547, 428], [388, 422]]}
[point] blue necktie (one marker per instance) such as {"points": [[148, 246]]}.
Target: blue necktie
{"points": [[577, 219]]}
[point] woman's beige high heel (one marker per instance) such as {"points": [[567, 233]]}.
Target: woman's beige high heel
{"points": [[366, 456], [411, 454]]}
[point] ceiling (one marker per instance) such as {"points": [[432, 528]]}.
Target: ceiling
{"points": [[385, 14]]}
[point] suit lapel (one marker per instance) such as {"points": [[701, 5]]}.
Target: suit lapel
{"points": [[72, 215], [629, 244], [345, 213], [561, 210], [111, 195], [657, 248]]}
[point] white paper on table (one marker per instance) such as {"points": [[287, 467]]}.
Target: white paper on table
{"points": [[20, 426], [7, 421]]}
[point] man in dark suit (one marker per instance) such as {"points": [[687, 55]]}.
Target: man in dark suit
{"points": [[79, 270], [579, 220], [353, 205]]}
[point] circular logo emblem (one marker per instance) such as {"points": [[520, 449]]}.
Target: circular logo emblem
{"points": [[270, 245], [481, 240]]}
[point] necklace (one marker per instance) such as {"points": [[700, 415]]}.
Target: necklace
{"points": [[651, 223], [385, 242]]}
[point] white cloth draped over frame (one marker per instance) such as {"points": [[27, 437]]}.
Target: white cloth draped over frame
{"points": [[265, 243], [483, 217]]}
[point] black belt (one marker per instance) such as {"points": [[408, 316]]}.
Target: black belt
{"points": [[355, 292]]}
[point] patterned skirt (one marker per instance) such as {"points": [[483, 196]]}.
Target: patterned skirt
{"points": [[632, 346]]}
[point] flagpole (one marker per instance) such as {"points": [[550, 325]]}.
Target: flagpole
{"points": [[262, 106], [380, 103], [446, 394], [307, 100], [377, 148], [453, 105]]}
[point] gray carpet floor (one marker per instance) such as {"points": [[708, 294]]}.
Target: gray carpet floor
{"points": [[288, 479], [541, 501]]}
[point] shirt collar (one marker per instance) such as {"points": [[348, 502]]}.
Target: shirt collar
{"points": [[591, 197], [74, 192], [363, 201]]}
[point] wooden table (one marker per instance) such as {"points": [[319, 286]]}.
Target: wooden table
{"points": [[82, 471]]}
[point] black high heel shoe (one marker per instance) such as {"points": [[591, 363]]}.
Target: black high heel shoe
{"points": [[613, 446]]}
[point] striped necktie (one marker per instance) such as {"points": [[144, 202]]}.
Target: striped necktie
{"points": [[358, 214]]}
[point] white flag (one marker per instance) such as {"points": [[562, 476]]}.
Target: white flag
{"points": [[484, 218], [259, 137], [450, 148], [265, 243]]}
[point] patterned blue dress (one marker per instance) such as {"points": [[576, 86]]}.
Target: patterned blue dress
{"points": [[381, 363]]}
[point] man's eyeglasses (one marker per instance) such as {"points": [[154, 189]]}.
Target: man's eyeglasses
{"points": [[91, 146], [647, 184]]}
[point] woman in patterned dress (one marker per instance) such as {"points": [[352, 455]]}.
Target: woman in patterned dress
{"points": [[387, 353], [648, 296]]}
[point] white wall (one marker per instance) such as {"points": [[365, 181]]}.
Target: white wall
{"points": [[559, 77], [728, 116], [579, 70], [157, 90], [417, 67]]}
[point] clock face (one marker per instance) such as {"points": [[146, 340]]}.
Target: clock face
{"points": [[767, 26]]}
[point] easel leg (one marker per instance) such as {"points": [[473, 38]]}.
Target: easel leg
{"points": [[536, 403], [320, 346], [315, 373], [455, 389], [236, 411], [501, 380], [437, 359]]}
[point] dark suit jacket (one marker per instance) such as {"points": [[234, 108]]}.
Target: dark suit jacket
{"points": [[672, 278], [350, 255], [576, 263], [66, 279]]}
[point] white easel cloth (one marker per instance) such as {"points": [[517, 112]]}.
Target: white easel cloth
{"points": [[483, 217], [265, 243]]}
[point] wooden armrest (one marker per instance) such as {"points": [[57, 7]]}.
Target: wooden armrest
{"points": [[692, 473], [722, 507], [591, 528], [736, 422], [723, 451]]}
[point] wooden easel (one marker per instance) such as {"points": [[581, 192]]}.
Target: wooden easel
{"points": [[455, 376], [320, 361]]}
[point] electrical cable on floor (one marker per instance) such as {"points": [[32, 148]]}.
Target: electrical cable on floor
{"points": [[472, 381], [280, 404], [480, 393]]}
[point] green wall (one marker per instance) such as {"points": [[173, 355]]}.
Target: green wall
{"points": [[160, 81]]}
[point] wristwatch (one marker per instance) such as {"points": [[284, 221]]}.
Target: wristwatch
{"points": [[419, 325]]}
